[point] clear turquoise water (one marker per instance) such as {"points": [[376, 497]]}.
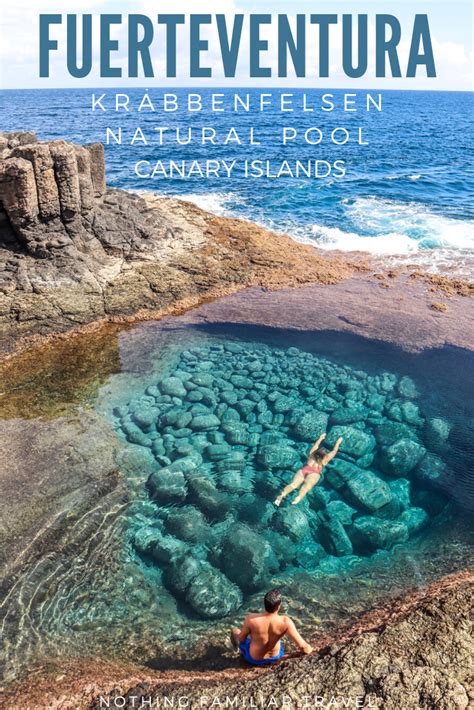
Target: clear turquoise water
{"points": [[211, 422], [217, 425]]}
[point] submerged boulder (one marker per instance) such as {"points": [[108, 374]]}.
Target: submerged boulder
{"points": [[339, 472], [367, 491], [368, 532], [310, 426], [402, 457], [431, 471], [401, 490], [247, 558], [407, 388], [353, 412], [389, 433], [167, 486], [291, 521], [414, 518], [437, 431], [213, 503], [310, 555], [355, 442], [277, 456], [173, 386], [211, 595], [207, 591], [188, 523], [204, 422], [334, 538]]}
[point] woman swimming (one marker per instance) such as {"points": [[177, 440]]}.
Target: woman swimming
{"points": [[308, 476]]}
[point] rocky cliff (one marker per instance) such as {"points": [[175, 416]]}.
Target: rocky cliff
{"points": [[73, 251]]}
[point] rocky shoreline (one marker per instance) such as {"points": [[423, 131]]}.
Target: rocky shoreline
{"points": [[415, 652], [73, 252], [76, 257]]}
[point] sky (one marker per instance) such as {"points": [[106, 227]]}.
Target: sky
{"points": [[451, 24]]}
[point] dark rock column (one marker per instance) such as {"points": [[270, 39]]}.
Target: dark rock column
{"points": [[97, 162], [39, 155]]}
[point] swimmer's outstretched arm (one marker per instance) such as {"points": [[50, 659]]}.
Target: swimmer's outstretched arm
{"points": [[329, 457], [317, 444]]}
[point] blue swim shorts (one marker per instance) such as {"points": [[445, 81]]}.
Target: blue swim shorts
{"points": [[245, 651]]}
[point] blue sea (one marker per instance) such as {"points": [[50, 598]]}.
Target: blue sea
{"points": [[407, 195]]}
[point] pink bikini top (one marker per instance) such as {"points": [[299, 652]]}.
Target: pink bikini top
{"points": [[307, 470]]}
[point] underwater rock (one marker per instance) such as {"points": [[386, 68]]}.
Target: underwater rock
{"points": [[173, 386], [355, 442], [165, 548], [187, 463], [136, 460], [211, 595], [234, 461], [376, 402], [247, 558], [179, 574], [401, 458], [407, 388], [213, 503], [310, 426], [433, 502], [437, 431], [236, 433], [235, 482], [267, 484], [389, 433], [145, 416], [217, 452], [334, 538], [411, 414], [414, 518], [277, 456], [367, 491], [310, 555], [188, 524], [291, 521], [338, 510], [284, 548], [319, 498], [355, 412], [134, 434], [207, 591], [374, 533], [255, 510], [339, 472], [401, 490], [204, 422], [431, 471], [145, 538], [167, 486]]}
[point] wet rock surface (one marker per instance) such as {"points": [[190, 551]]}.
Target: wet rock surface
{"points": [[219, 466], [414, 653]]}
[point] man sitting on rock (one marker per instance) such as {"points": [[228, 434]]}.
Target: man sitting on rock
{"points": [[259, 639]]}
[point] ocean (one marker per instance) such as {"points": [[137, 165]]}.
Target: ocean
{"points": [[407, 194]]}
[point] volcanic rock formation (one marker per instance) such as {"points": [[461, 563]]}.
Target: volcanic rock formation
{"points": [[73, 251]]}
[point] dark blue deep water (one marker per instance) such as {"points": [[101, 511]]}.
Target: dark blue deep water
{"points": [[408, 192]]}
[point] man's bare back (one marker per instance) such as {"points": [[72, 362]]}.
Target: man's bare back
{"points": [[266, 630]]}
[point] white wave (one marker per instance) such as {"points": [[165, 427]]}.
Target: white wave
{"points": [[335, 238], [398, 221], [219, 203]]}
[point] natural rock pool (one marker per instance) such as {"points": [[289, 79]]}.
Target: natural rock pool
{"points": [[210, 423]]}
